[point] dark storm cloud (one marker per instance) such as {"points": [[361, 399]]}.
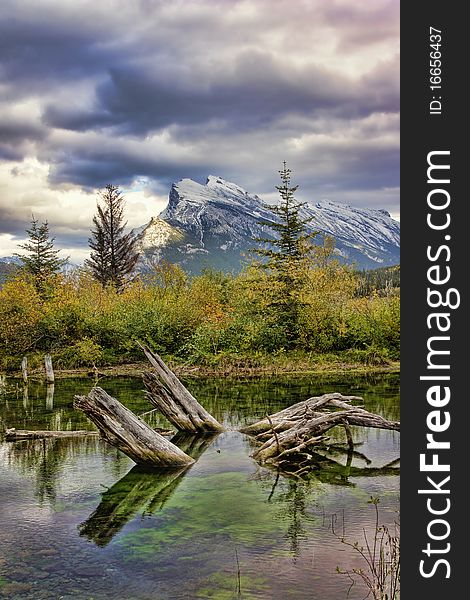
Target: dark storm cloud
{"points": [[255, 92], [41, 53], [360, 168], [15, 136], [92, 168], [104, 92]]}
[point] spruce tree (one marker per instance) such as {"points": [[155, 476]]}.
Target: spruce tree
{"points": [[287, 256], [113, 254], [41, 261]]}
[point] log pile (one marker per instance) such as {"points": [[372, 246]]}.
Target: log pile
{"points": [[290, 435]]}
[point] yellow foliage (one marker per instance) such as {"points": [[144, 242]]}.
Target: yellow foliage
{"points": [[21, 309]]}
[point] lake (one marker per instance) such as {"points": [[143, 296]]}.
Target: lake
{"points": [[78, 520]]}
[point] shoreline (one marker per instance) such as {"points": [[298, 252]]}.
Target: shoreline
{"points": [[181, 370]]}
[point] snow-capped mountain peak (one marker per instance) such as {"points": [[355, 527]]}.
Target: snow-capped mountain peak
{"points": [[215, 223]]}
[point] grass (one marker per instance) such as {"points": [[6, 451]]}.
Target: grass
{"points": [[381, 557]]}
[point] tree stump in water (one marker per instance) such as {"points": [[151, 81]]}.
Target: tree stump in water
{"points": [[49, 369], [168, 394], [121, 428], [286, 438]]}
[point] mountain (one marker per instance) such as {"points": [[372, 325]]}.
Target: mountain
{"points": [[214, 225], [8, 267]]}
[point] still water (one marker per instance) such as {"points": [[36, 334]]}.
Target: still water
{"points": [[78, 520]]}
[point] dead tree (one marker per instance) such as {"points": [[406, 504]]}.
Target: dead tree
{"points": [[168, 394], [291, 434], [49, 369], [121, 428]]}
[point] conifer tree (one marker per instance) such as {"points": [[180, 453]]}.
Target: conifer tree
{"points": [[287, 256], [42, 260], [113, 254]]}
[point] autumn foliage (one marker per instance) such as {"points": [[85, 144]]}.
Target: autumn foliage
{"points": [[199, 320]]}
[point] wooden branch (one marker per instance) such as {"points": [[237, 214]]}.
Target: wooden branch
{"points": [[168, 394], [297, 411], [121, 428]]}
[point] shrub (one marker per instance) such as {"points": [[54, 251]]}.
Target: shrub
{"points": [[84, 353]]}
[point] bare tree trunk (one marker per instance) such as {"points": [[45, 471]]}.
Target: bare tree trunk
{"points": [[49, 369], [123, 429], [24, 369], [168, 394]]}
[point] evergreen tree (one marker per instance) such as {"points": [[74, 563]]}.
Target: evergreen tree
{"points": [[287, 256], [41, 260], [113, 254]]}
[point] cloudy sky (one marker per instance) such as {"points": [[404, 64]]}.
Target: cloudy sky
{"points": [[143, 93]]}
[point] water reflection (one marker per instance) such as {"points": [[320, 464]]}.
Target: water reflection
{"points": [[173, 535], [46, 458], [328, 470], [141, 490], [50, 396]]}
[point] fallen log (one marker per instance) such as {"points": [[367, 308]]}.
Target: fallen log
{"points": [[283, 419], [290, 435], [165, 391], [121, 428], [13, 434]]}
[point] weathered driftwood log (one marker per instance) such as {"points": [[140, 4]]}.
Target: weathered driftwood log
{"points": [[294, 431], [283, 419], [13, 434], [168, 394], [121, 428]]}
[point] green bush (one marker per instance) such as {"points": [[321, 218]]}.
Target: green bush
{"points": [[84, 353]]}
